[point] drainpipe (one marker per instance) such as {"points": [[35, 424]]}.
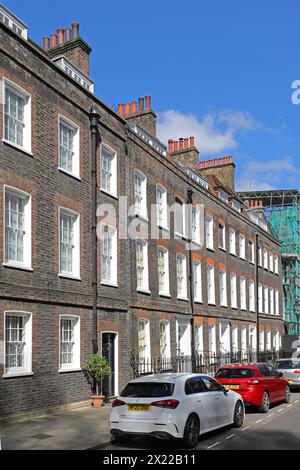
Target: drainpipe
{"points": [[96, 140], [191, 279], [256, 296]]}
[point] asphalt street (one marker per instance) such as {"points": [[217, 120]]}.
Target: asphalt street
{"points": [[277, 430]]}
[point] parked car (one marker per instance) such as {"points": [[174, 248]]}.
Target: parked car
{"points": [[290, 369], [259, 384], [175, 405]]}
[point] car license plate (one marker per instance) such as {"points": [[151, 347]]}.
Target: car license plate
{"points": [[290, 381], [139, 407], [233, 387]]}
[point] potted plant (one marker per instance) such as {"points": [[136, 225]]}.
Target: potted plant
{"points": [[95, 368]]}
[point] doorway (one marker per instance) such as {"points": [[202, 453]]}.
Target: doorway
{"points": [[110, 351]]}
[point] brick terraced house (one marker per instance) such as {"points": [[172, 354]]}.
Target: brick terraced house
{"points": [[154, 299]]}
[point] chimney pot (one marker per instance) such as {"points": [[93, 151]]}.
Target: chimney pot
{"points": [[170, 146], [75, 29], [53, 40], [192, 141], [141, 104], [175, 145], [215, 161], [229, 159], [60, 35], [225, 160], [121, 109], [210, 163], [127, 108], [148, 102], [186, 143], [68, 34], [133, 107], [46, 43], [180, 143], [220, 161]]}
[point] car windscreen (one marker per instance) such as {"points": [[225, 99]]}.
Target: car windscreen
{"points": [[237, 373], [288, 364], [148, 389]]}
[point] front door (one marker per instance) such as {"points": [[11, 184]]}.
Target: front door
{"points": [[108, 351]]}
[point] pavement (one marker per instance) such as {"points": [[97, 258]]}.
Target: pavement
{"points": [[75, 429], [87, 428]]}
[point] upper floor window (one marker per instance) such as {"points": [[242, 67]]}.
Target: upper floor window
{"points": [[197, 281], [69, 240], [211, 299], [17, 116], [233, 290], [271, 262], [242, 247], [222, 240], [260, 256], [180, 227], [266, 259], [142, 265], [266, 299], [109, 259], [108, 168], [18, 342], [260, 298], [223, 288], [181, 276], [276, 264], [144, 344], [195, 225], [140, 194], [251, 296], [271, 301], [232, 242], [69, 344], [276, 302], [251, 252], [209, 232], [161, 207], [164, 337], [243, 299], [17, 234], [68, 147], [163, 271]]}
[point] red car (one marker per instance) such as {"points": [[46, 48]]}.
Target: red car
{"points": [[259, 384]]}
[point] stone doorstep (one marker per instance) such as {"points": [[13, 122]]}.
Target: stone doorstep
{"points": [[50, 411]]}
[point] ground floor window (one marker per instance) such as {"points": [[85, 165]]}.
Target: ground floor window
{"points": [[18, 342], [69, 342]]}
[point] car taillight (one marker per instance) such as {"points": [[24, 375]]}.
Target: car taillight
{"points": [[296, 371], [166, 404], [117, 402], [253, 382]]}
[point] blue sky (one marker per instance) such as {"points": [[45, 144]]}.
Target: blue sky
{"points": [[219, 70]]}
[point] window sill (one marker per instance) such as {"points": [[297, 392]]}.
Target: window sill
{"points": [[212, 304], [69, 276], [232, 254], [162, 294], [209, 248], [144, 291], [251, 262], [223, 306], [109, 284], [17, 147], [75, 369], [179, 236], [166, 229], [62, 170], [17, 374], [185, 299], [242, 258], [109, 194], [234, 308], [222, 248], [7, 264], [198, 301]]}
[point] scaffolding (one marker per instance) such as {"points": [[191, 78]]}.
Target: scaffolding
{"points": [[282, 209]]}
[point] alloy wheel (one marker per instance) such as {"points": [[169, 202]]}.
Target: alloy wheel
{"points": [[191, 432]]}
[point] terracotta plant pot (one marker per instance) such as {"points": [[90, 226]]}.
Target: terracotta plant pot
{"points": [[97, 401]]}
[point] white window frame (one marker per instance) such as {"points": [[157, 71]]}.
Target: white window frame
{"points": [[260, 299], [251, 295], [251, 252], [235, 338], [266, 260], [243, 293], [268, 340], [276, 264], [197, 282], [113, 281], [223, 287], [261, 340], [27, 240], [271, 262], [165, 353], [76, 146], [276, 302], [75, 274], [162, 208], [243, 339], [165, 292], [113, 190], [145, 287], [141, 208], [146, 356], [266, 299], [260, 256], [195, 229], [271, 295], [242, 246], [222, 243], [232, 241], [16, 89], [199, 342], [212, 338], [27, 368], [180, 225], [233, 290], [211, 291], [252, 334], [209, 232], [183, 294], [75, 365]]}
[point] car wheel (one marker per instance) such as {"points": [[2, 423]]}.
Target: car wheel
{"points": [[265, 403], [287, 395], [238, 418], [191, 431]]}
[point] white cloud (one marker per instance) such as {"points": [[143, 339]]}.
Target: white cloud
{"points": [[215, 133]]}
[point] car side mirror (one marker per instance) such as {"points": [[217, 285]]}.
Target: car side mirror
{"points": [[225, 390]]}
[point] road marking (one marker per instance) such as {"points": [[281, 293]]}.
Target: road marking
{"points": [[289, 405], [270, 415], [258, 421], [213, 445], [281, 409], [245, 429], [296, 401], [231, 435]]}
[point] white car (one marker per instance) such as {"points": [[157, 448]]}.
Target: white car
{"points": [[175, 405]]}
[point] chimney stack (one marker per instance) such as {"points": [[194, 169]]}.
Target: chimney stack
{"points": [[141, 113], [184, 151], [223, 168]]}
